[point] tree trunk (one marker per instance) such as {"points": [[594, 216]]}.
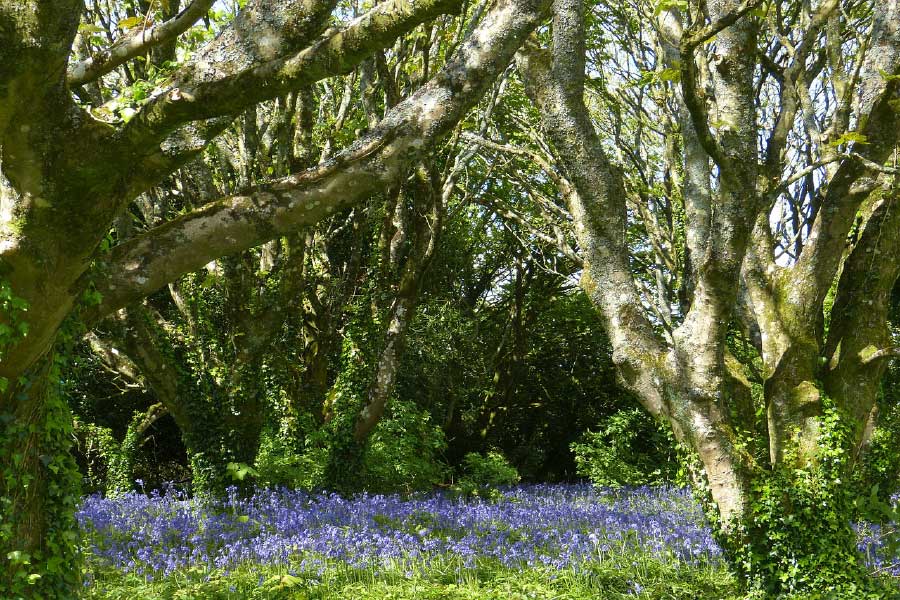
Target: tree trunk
{"points": [[120, 469], [782, 500], [39, 489], [199, 411]]}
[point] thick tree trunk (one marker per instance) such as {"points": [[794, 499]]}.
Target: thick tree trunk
{"points": [[39, 488]]}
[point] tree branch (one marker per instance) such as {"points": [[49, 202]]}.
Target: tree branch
{"points": [[598, 205], [334, 53], [136, 43], [889, 352], [695, 37], [879, 120], [859, 334], [146, 263]]}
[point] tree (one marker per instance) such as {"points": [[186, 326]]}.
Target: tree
{"points": [[808, 131], [67, 174]]}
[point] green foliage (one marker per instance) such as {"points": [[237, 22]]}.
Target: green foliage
{"points": [[849, 137], [796, 539], [239, 471], [344, 463], [404, 451], [798, 536], [630, 577], [208, 462], [880, 465], [403, 454], [876, 480], [282, 462], [105, 468], [12, 324], [46, 572], [482, 474], [121, 458], [631, 449]]}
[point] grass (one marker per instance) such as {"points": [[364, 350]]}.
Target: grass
{"points": [[632, 577]]}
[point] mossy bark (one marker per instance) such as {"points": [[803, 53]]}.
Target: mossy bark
{"points": [[39, 489]]}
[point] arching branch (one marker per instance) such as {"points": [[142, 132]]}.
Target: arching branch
{"points": [[146, 263]]}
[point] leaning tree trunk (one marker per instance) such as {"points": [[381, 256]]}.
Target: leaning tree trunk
{"points": [[371, 364], [218, 424]]}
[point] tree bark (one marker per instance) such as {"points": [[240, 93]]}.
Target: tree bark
{"points": [[39, 488], [816, 418]]}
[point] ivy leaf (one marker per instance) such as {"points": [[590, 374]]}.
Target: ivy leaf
{"points": [[239, 471], [19, 557]]}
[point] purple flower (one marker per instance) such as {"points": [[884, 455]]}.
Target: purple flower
{"points": [[556, 526]]}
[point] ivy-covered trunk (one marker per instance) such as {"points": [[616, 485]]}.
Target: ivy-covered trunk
{"points": [[39, 489], [219, 424], [795, 536], [792, 531]]}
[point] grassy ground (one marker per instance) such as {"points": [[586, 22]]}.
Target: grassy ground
{"points": [[638, 578]]}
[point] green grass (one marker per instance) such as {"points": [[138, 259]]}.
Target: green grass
{"points": [[626, 577]]}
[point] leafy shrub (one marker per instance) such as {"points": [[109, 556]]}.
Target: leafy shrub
{"points": [[404, 451], [280, 462], [403, 455], [631, 449], [482, 474]]}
